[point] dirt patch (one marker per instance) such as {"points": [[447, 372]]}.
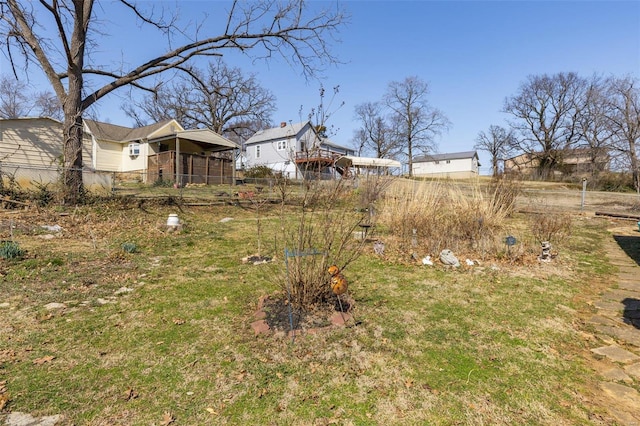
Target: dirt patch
{"points": [[280, 315]]}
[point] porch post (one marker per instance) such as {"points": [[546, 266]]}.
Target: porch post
{"points": [[234, 159], [178, 160]]}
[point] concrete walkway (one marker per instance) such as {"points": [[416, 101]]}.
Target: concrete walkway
{"points": [[617, 327]]}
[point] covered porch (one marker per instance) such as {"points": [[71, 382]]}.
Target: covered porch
{"points": [[198, 156]]}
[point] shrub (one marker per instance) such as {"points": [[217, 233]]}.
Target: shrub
{"points": [[10, 250], [318, 235], [258, 172], [550, 226], [130, 247]]}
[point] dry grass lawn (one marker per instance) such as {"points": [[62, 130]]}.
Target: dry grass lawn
{"points": [[162, 335]]}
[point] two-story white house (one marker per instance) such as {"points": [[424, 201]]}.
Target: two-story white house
{"points": [[452, 165], [296, 150]]}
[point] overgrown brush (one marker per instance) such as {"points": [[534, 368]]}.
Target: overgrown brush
{"points": [[427, 217]]}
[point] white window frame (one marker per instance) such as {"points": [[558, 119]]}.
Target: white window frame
{"points": [[134, 149], [258, 151], [282, 145]]}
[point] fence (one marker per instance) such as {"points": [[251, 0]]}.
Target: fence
{"points": [[25, 177]]}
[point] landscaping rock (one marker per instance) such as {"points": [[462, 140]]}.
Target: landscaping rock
{"points": [[24, 419], [54, 305], [260, 327], [447, 258]]}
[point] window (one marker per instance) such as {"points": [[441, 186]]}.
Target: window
{"points": [[134, 149], [448, 161], [258, 151], [436, 162], [282, 145]]}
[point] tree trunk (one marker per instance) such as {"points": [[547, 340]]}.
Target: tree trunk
{"points": [[73, 135]]}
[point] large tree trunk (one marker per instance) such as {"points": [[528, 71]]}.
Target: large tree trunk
{"points": [[72, 162], [73, 136]]}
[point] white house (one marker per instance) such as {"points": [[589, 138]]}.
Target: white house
{"points": [[452, 165], [296, 150]]}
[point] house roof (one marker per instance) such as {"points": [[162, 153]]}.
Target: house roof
{"points": [[32, 119], [207, 136], [123, 134], [348, 160], [117, 133], [447, 156], [280, 132]]}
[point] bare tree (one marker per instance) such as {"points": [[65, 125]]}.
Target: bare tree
{"points": [[593, 124], [263, 28], [375, 133], [222, 99], [48, 105], [623, 95], [16, 100], [416, 122], [497, 141], [544, 114]]}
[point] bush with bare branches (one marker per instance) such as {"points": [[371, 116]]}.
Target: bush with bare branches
{"points": [[318, 234]]}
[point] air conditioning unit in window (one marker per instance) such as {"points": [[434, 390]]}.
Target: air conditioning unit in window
{"points": [[134, 149]]}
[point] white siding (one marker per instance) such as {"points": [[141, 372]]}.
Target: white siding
{"points": [[447, 168]]}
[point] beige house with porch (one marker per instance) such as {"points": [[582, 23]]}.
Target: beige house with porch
{"points": [[31, 150]]}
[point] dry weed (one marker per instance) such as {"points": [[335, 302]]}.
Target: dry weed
{"points": [[428, 217]]}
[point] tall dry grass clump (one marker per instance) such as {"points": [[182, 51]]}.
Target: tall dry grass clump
{"points": [[427, 217]]}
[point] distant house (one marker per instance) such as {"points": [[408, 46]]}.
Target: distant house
{"points": [[452, 165], [577, 161], [32, 148], [295, 150]]}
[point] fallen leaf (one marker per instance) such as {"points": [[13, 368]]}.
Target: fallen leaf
{"points": [[178, 321], [167, 418], [4, 399], [44, 359], [130, 394], [212, 411]]}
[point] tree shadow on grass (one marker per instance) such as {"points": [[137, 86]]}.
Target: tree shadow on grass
{"points": [[631, 314], [630, 245]]}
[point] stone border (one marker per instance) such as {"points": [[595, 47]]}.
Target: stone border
{"points": [[261, 327]]}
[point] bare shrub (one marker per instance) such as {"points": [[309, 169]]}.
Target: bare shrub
{"points": [[318, 234], [552, 227]]}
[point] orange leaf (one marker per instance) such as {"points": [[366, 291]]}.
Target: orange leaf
{"points": [[167, 418], [4, 398], [44, 359]]}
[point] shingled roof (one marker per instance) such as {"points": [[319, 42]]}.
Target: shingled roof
{"points": [[116, 133]]}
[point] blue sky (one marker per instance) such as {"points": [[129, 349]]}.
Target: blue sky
{"points": [[473, 54]]}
